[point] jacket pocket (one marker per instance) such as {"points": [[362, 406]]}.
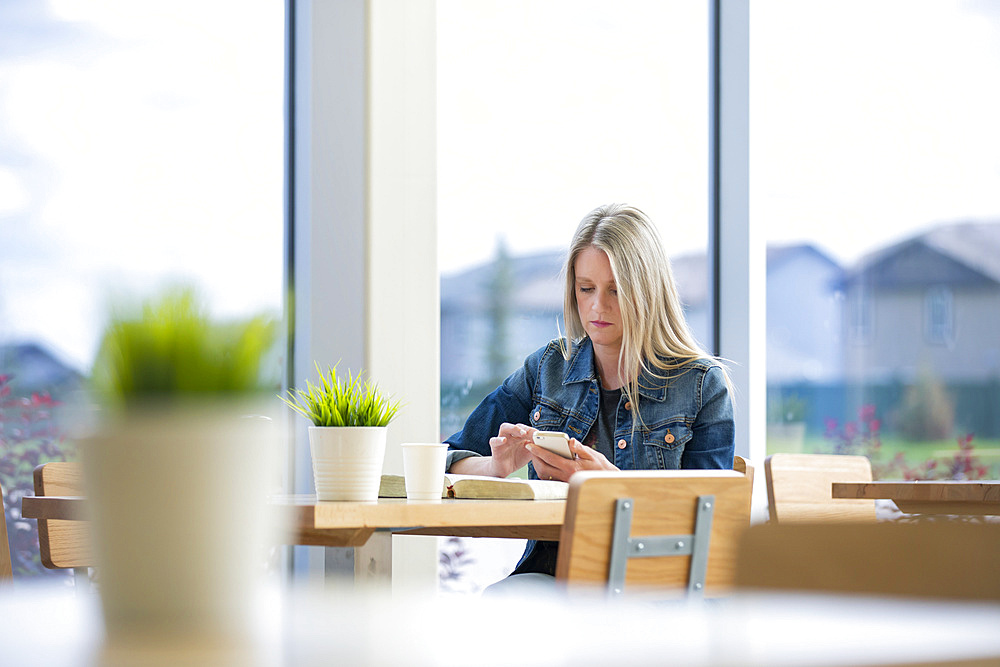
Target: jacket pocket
{"points": [[664, 444], [546, 418]]}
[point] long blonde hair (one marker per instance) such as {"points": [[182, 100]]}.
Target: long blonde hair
{"points": [[655, 335]]}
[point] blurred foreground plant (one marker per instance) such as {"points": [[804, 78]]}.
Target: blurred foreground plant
{"points": [[170, 347]]}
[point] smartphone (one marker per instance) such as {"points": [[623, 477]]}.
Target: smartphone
{"points": [[554, 441]]}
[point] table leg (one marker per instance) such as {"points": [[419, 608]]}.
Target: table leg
{"points": [[373, 561]]}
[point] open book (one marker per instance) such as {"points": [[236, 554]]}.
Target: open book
{"points": [[478, 486]]}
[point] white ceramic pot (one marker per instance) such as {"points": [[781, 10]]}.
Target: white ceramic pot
{"points": [[180, 522], [347, 461]]}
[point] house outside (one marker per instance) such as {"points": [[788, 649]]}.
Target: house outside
{"points": [[803, 315], [931, 302], [921, 322]]}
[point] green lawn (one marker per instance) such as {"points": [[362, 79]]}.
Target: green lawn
{"points": [[915, 455]]}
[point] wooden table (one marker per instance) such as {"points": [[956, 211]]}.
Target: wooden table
{"points": [[350, 524], [369, 526], [929, 497]]}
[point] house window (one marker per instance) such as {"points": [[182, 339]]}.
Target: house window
{"points": [[939, 316], [861, 317]]}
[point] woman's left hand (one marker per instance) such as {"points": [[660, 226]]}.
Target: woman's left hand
{"points": [[549, 465]]}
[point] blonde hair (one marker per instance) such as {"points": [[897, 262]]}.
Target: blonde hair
{"points": [[655, 335]]}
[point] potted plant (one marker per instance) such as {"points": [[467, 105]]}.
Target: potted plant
{"points": [[176, 472], [348, 433]]}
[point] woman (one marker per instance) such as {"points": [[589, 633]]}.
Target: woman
{"points": [[628, 384]]}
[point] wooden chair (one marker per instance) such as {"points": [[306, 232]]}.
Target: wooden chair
{"points": [[742, 465], [939, 559], [672, 529], [6, 571], [63, 543], [799, 487]]}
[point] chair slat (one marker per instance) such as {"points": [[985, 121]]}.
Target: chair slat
{"points": [[62, 544]]}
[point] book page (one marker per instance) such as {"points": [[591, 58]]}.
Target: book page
{"points": [[483, 487], [477, 486]]}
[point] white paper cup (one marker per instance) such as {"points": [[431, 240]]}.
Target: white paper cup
{"points": [[423, 469]]}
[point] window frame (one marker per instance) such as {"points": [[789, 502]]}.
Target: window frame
{"points": [[349, 102]]}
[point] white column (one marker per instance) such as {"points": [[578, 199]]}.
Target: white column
{"points": [[365, 245], [403, 318]]}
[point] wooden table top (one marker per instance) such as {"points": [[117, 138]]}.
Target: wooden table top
{"points": [[355, 521], [929, 497], [352, 523]]}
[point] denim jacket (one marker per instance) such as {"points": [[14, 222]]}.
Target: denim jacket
{"points": [[686, 421]]}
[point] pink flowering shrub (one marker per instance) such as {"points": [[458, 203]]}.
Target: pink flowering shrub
{"points": [[863, 437], [29, 437]]}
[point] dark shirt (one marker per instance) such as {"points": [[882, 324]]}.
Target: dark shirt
{"points": [[602, 437]]}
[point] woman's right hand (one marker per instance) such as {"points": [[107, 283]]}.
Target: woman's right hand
{"points": [[508, 448]]}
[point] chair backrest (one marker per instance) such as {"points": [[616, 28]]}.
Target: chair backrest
{"points": [[63, 544], [648, 529], [799, 487], [939, 559], [744, 466], [6, 571]]}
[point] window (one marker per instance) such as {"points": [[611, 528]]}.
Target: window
{"points": [[595, 104], [877, 166], [140, 144], [547, 110], [938, 317], [861, 315]]}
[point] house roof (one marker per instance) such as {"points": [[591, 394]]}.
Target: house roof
{"points": [[34, 368], [537, 282], [967, 251], [779, 254], [534, 279]]}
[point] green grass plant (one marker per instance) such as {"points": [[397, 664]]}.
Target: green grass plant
{"points": [[170, 348], [338, 402]]}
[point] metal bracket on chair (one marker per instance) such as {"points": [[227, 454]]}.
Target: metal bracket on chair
{"points": [[624, 547]]}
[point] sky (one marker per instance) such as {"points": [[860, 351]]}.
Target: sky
{"points": [[137, 147], [140, 141], [869, 121]]}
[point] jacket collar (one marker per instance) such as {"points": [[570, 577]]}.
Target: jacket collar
{"points": [[581, 368]]}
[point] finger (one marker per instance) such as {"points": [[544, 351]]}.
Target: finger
{"points": [[498, 441], [550, 459], [515, 430], [549, 464], [544, 470], [581, 450]]}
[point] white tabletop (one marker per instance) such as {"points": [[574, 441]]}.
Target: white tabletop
{"points": [[56, 628]]}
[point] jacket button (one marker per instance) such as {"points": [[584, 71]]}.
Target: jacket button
{"points": [[621, 444], [538, 415], [628, 405], [669, 437]]}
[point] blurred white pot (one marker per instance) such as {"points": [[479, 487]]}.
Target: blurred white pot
{"points": [[181, 525]]}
